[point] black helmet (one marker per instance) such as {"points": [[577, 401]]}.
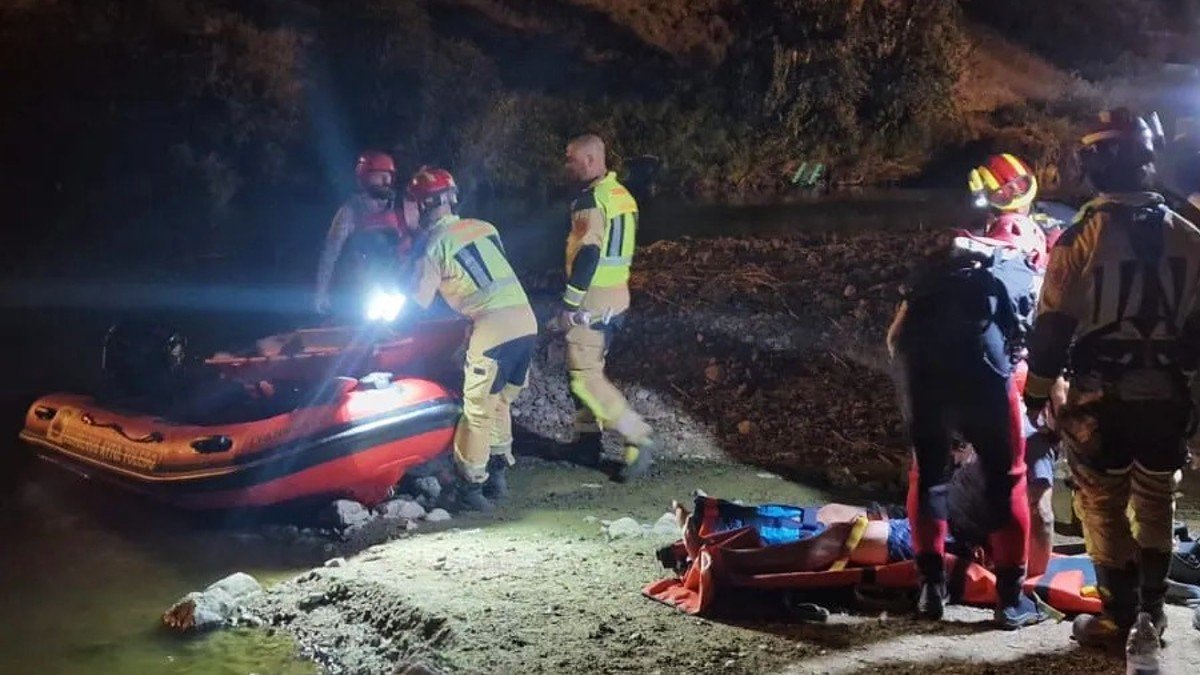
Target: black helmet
{"points": [[1117, 154]]}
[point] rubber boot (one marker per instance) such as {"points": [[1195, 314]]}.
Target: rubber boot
{"points": [[931, 603], [636, 461], [470, 498], [1014, 609], [1109, 630], [496, 487], [1155, 565], [587, 449]]}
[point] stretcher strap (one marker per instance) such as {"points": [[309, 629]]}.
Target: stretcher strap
{"points": [[856, 534]]}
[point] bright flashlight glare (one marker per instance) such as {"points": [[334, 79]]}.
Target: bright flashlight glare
{"points": [[384, 306], [981, 202]]}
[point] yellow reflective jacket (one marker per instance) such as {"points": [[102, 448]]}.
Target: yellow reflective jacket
{"points": [[1121, 293], [603, 235], [464, 260]]}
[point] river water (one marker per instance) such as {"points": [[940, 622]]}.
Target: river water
{"points": [[85, 574]]}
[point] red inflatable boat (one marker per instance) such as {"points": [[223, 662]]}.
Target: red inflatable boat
{"points": [[303, 418]]}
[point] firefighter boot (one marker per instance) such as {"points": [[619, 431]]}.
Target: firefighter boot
{"points": [[931, 603], [496, 487], [470, 498], [1014, 609], [1155, 565], [1108, 630], [636, 460]]}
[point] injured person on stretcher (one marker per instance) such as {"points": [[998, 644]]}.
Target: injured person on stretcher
{"points": [[874, 535], [833, 540]]}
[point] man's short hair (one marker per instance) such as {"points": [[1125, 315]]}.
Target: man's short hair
{"points": [[589, 142]]}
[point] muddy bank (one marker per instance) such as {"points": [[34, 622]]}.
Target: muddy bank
{"points": [[546, 587], [764, 351], [760, 363]]}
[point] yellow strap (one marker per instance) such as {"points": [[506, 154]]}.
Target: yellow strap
{"points": [[856, 534]]}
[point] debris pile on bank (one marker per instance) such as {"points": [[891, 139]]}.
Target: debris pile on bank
{"points": [[766, 350]]}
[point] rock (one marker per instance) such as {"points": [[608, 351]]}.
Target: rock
{"points": [[714, 373], [624, 528], [335, 562], [667, 524], [344, 513], [239, 585], [437, 516], [312, 601], [219, 605], [745, 427], [199, 612], [849, 291], [397, 509], [591, 519], [430, 486]]}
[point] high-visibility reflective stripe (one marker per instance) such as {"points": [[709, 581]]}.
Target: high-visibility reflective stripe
{"points": [[573, 296], [1017, 167], [989, 179], [490, 288], [615, 262], [472, 261], [495, 239], [616, 235]]}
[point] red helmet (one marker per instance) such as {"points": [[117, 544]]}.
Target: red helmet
{"points": [[431, 187], [1003, 182], [371, 161], [1020, 232]]}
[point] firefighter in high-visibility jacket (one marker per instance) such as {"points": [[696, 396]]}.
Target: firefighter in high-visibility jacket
{"points": [[600, 246], [463, 259], [1121, 306]]}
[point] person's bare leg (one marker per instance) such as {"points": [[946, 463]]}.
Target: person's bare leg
{"points": [[872, 549], [839, 513], [1041, 528]]}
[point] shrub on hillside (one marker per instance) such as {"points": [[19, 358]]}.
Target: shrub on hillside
{"points": [[836, 76]]}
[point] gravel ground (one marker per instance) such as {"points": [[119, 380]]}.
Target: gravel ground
{"points": [[759, 362]]}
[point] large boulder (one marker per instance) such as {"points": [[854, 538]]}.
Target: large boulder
{"points": [[221, 604]]}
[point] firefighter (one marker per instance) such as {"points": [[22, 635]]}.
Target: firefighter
{"points": [[956, 338], [367, 229], [464, 260], [1120, 306], [1007, 187], [600, 246]]}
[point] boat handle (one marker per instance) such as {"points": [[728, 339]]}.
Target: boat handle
{"points": [[152, 437], [211, 444]]}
